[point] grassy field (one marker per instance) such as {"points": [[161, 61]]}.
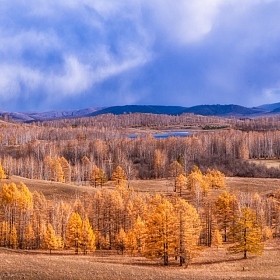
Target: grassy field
{"points": [[211, 264], [50, 189], [267, 162]]}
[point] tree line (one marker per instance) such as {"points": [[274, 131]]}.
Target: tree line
{"points": [[141, 158]]}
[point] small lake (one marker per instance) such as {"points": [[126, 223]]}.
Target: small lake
{"points": [[163, 135]]}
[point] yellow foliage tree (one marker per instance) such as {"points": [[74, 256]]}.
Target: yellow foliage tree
{"points": [[97, 177], [216, 179], [74, 232], [217, 239], [181, 182], [197, 182], [119, 175], [29, 237], [247, 234], [225, 209], [13, 239], [131, 242], [187, 229], [2, 173], [66, 169], [121, 240], [88, 237], [4, 238], [160, 241], [51, 241]]}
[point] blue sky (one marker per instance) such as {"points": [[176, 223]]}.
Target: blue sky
{"points": [[70, 54]]}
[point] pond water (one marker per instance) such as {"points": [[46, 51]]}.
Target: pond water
{"points": [[163, 135]]}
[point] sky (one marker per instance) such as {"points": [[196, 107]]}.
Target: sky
{"points": [[74, 54]]}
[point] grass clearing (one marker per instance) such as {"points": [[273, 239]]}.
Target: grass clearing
{"points": [[211, 264], [266, 162]]}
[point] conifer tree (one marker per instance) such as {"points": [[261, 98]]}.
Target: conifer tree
{"points": [[66, 169], [74, 232], [225, 208], [5, 229], [247, 234], [97, 177], [29, 237], [88, 237], [160, 241], [180, 184], [131, 242], [121, 241], [13, 240], [2, 173], [217, 239], [119, 175], [139, 229], [51, 241], [187, 229], [215, 179]]}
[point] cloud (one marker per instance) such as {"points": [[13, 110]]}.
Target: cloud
{"points": [[119, 52], [184, 22]]}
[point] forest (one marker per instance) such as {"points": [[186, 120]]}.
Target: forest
{"points": [[198, 212]]}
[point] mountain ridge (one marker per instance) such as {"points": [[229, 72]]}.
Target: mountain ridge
{"points": [[227, 110]]}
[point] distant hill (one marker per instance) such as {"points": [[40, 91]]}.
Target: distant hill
{"points": [[51, 115], [205, 110], [152, 109], [270, 107], [223, 110], [275, 111], [62, 114]]}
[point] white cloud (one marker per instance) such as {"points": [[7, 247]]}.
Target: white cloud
{"points": [[183, 21]]}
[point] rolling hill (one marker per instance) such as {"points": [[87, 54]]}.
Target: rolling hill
{"points": [[230, 110]]}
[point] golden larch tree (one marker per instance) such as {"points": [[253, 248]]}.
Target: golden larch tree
{"points": [[121, 240], [2, 173], [225, 210], [160, 241], [74, 232], [119, 175], [187, 229], [51, 241], [247, 234], [88, 237]]}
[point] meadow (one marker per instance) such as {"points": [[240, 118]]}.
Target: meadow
{"points": [[211, 263]]}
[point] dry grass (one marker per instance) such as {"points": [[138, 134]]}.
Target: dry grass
{"points": [[211, 264], [267, 162], [51, 189]]}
